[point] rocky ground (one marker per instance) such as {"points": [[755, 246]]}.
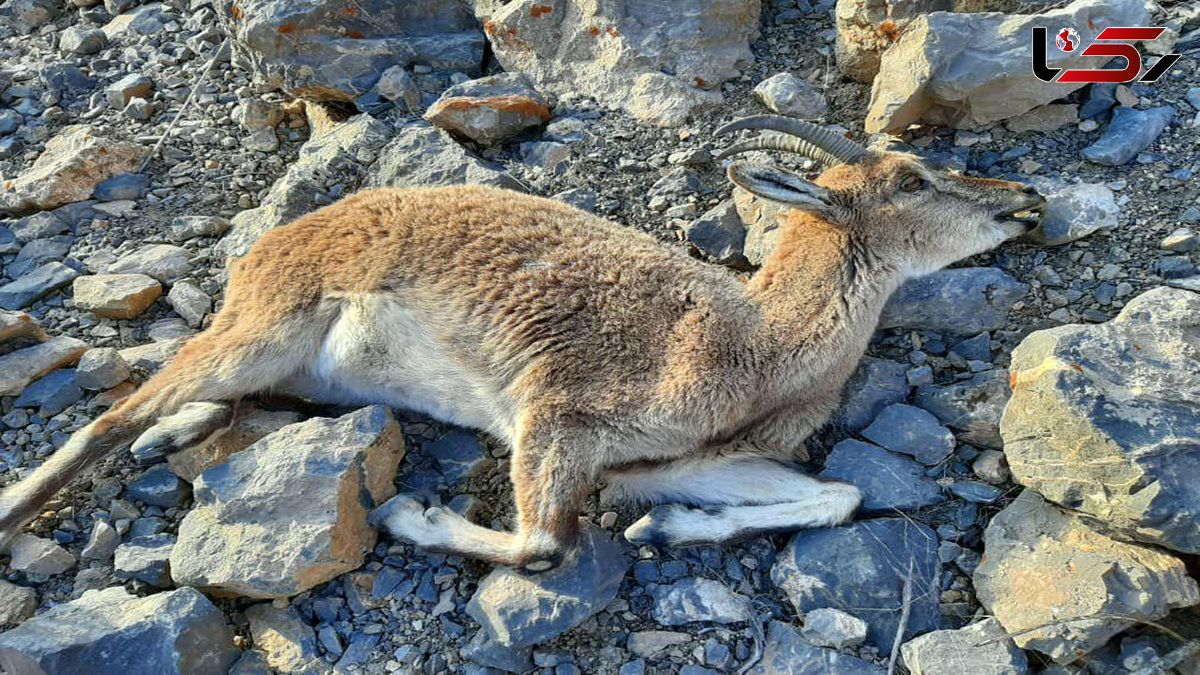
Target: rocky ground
{"points": [[1039, 403]]}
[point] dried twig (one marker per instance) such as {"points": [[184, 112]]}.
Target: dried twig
{"points": [[186, 104], [905, 611]]}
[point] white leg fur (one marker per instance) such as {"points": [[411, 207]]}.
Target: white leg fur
{"points": [[743, 498], [437, 528]]}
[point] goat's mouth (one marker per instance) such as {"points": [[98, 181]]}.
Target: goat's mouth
{"points": [[1028, 216]]}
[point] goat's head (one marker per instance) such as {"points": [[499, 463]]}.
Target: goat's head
{"points": [[916, 217]]}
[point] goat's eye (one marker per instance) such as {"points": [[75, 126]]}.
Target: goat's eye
{"points": [[912, 183]]}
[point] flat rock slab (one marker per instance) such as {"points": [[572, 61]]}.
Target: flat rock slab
{"points": [[164, 262], [860, 569], [876, 384], [1073, 211], [888, 481], [116, 296], [787, 652], [21, 367], [290, 511], [911, 431], [69, 168], [699, 599], [1105, 418], [459, 455], [519, 609], [42, 281], [1043, 565], [178, 632], [960, 301], [289, 644], [251, 426], [972, 407], [980, 649], [420, 154], [18, 325]]}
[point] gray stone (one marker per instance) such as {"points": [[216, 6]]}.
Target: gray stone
{"points": [[174, 633], [17, 603], [548, 156], [19, 326], [184, 228], [860, 568], [719, 234], [190, 302], [129, 87], [102, 543], [520, 609], [150, 358], [8, 240], [911, 431], [252, 425], [396, 85], [420, 154], [991, 466], [72, 164], [982, 648], [319, 51], [971, 407], [828, 627], [1105, 418], [581, 198], [977, 493], [146, 559], [10, 121], [39, 557], [40, 226], [1045, 118], [115, 296], [159, 487], [789, 95], [38, 252], [961, 301], [968, 70], [621, 54], [1182, 240], [101, 369], [876, 384], [867, 29], [459, 455], [290, 511], [345, 151], [51, 394], [786, 651], [490, 110], [161, 261], [29, 15], [289, 644], [1130, 132], [35, 285], [19, 368], [1073, 211], [482, 649], [699, 599], [1043, 565], [650, 643], [888, 481]]}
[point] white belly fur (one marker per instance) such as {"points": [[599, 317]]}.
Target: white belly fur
{"points": [[379, 351]]}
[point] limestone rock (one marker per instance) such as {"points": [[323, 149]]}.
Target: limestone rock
{"points": [[789, 95], [866, 28], [73, 163], [290, 645], [719, 234], [37, 556], [290, 511], [1073, 211], [146, 559], [859, 568], [21, 367], [101, 369], [968, 70], [519, 609], [761, 219], [620, 53], [1043, 566], [911, 431], [1105, 418], [961, 301], [786, 651], [1130, 132], [18, 325], [1045, 118], [888, 481], [175, 633], [190, 302], [344, 151], [490, 110], [320, 51], [116, 296], [42, 281], [161, 261], [699, 599], [420, 154], [17, 603], [982, 648], [828, 627]]}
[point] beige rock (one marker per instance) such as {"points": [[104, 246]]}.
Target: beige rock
{"points": [[150, 358], [761, 218], [116, 296], [288, 643], [602, 48], [14, 325], [72, 164], [252, 425], [21, 367], [37, 556]]}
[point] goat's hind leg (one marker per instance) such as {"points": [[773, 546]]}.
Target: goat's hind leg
{"points": [[725, 500]]}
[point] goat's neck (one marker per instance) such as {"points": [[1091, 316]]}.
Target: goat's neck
{"points": [[821, 291]]}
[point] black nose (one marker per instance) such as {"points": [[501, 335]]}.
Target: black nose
{"points": [[1029, 190]]}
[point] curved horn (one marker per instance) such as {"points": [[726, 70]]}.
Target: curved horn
{"points": [[805, 138]]}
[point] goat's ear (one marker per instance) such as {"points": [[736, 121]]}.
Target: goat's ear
{"points": [[779, 185]]}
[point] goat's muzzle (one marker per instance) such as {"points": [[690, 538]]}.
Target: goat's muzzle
{"points": [[1029, 213]]}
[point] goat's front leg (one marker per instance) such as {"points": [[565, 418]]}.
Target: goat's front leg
{"points": [[725, 499], [551, 476]]}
